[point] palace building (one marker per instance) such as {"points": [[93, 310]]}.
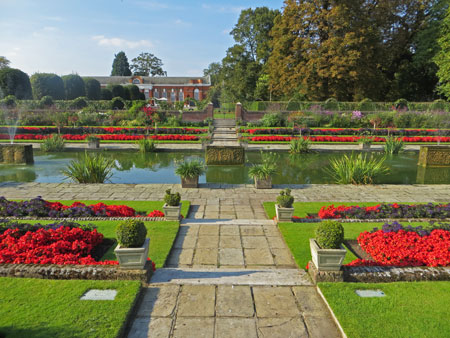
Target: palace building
{"points": [[172, 88]]}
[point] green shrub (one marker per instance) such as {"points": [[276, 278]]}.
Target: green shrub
{"points": [[106, 94], [146, 145], [73, 86], [93, 88], [190, 169], [134, 92], [174, 121], [91, 168], [329, 235], [273, 120], [331, 104], [117, 91], [131, 233], [356, 169], [401, 104], [14, 82], [92, 138], [9, 101], [284, 199], [262, 171], [403, 120], [46, 101], [54, 143], [47, 84], [300, 145], [117, 103], [172, 200], [393, 145], [366, 105], [79, 103]]}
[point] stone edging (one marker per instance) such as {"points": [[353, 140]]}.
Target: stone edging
{"points": [[89, 272], [380, 274], [376, 220], [145, 219]]}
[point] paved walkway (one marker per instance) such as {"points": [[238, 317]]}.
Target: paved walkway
{"points": [[212, 201], [231, 279]]}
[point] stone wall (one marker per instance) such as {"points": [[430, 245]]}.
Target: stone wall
{"points": [[225, 155], [197, 116], [438, 156]]}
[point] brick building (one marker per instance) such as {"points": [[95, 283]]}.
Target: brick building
{"points": [[172, 88]]}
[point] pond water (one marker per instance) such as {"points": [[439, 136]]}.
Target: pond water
{"points": [[134, 167]]}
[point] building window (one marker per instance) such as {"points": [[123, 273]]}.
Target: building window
{"points": [[173, 96], [181, 95], [156, 94], [136, 81], [164, 93], [197, 94]]}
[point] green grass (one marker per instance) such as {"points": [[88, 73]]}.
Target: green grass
{"points": [[303, 208], [161, 234], [297, 237], [52, 308], [410, 309]]}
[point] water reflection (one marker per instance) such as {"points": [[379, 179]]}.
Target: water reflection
{"points": [[135, 167]]}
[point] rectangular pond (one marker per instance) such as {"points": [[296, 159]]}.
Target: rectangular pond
{"points": [[137, 168]]}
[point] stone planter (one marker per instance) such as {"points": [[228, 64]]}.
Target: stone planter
{"points": [[364, 146], [326, 259], [284, 214], [95, 144], [263, 183], [172, 213], [189, 182], [132, 258]]}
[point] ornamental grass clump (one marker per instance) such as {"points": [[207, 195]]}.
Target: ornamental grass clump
{"points": [[393, 145], [357, 169], [91, 168], [131, 233], [190, 169], [284, 199], [300, 145], [54, 143], [172, 200], [330, 235], [146, 145]]}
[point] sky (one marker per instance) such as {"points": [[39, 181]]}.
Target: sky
{"points": [[82, 36]]}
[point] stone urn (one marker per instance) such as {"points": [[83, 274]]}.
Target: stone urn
{"points": [[326, 259], [172, 213], [364, 146], [94, 143], [263, 183], [189, 182], [284, 214], [132, 258]]}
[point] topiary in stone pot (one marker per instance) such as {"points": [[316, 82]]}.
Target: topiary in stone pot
{"points": [[283, 207], [132, 248], [172, 206], [326, 249]]}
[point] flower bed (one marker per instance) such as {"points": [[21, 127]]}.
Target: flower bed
{"points": [[347, 131], [396, 245], [384, 211], [415, 139], [38, 207], [51, 244], [103, 130], [107, 137]]}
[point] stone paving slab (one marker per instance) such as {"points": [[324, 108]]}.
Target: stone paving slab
{"points": [[226, 276]]}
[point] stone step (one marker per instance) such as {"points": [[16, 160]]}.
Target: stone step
{"points": [[215, 276], [224, 123], [205, 221]]}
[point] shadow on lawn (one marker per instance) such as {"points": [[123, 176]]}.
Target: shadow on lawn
{"points": [[38, 332]]}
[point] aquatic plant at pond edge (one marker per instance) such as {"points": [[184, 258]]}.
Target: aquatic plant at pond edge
{"points": [[393, 145], [146, 145], [356, 169], [91, 168], [300, 145], [54, 143]]}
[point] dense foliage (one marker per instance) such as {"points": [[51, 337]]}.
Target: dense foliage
{"points": [[329, 234], [14, 82], [120, 66], [47, 84], [73, 86], [131, 233]]}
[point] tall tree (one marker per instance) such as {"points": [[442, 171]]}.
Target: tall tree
{"points": [[442, 58], [93, 88], [14, 82], [73, 86], [4, 62], [120, 66], [146, 64], [47, 84]]}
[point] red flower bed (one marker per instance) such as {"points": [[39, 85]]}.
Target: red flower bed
{"points": [[63, 245], [156, 213], [106, 137], [98, 209], [405, 248], [104, 130], [347, 139]]}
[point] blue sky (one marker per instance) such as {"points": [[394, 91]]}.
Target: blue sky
{"points": [[82, 36]]}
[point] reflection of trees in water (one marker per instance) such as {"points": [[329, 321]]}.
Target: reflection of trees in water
{"points": [[227, 174], [18, 175]]}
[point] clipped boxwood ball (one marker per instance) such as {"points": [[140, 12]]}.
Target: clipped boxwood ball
{"points": [[131, 233], [330, 235]]}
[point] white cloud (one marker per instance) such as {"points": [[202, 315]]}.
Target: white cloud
{"points": [[182, 23], [50, 29], [121, 43]]}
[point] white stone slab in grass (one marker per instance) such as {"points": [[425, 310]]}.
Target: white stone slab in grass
{"points": [[95, 294], [370, 293]]}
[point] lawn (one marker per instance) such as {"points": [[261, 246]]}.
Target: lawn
{"points": [[297, 237], [410, 309], [52, 308], [161, 234], [303, 208]]}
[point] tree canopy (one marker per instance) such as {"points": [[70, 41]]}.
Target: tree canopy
{"points": [[146, 64], [47, 84], [4, 62], [120, 66], [14, 82], [73, 86]]}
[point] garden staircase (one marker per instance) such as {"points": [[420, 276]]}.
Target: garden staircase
{"points": [[224, 132]]}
